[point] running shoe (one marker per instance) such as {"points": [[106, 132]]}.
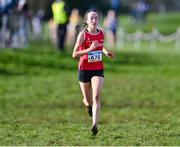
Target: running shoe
{"points": [[94, 130]]}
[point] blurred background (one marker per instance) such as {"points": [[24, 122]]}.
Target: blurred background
{"points": [[23, 21], [40, 98]]}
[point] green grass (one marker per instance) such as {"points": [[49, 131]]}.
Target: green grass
{"points": [[41, 102]]}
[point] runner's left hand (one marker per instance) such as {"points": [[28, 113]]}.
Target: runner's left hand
{"points": [[110, 55]]}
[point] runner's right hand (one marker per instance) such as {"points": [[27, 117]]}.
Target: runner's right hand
{"points": [[94, 45]]}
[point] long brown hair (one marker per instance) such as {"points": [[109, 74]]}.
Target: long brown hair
{"points": [[83, 26], [86, 14]]}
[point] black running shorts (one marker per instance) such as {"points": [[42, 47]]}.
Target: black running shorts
{"points": [[86, 75]]}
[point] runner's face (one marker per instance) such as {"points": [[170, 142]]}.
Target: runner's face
{"points": [[92, 19]]}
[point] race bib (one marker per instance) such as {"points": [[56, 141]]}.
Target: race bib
{"points": [[94, 56]]}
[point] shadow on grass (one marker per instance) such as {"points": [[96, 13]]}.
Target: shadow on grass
{"points": [[6, 72], [135, 58], [24, 61]]}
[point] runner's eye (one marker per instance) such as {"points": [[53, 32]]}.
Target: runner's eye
{"points": [[96, 18]]}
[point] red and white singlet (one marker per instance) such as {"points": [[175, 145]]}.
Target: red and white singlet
{"points": [[93, 59]]}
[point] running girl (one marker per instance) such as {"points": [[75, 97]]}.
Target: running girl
{"points": [[89, 48]]}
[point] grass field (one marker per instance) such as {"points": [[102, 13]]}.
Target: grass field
{"points": [[41, 103]]}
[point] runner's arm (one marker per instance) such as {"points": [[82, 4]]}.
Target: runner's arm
{"points": [[80, 40], [108, 53]]}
